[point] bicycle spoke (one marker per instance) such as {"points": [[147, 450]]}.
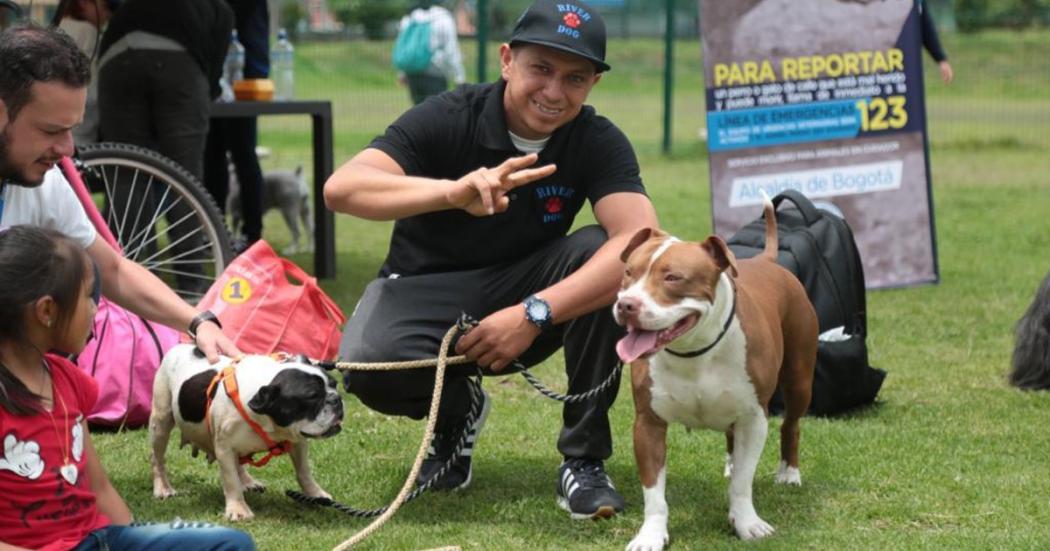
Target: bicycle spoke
{"points": [[178, 258], [144, 232], [192, 297], [181, 238], [187, 262], [110, 189], [149, 235], [120, 219], [163, 218], [191, 275]]}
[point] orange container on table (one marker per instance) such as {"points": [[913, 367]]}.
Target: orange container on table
{"points": [[253, 89]]}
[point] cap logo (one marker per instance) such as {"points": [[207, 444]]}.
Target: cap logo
{"points": [[574, 16], [573, 8]]}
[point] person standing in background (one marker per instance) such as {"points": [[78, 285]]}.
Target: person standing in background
{"points": [[84, 21], [239, 136], [158, 72], [931, 41], [446, 61]]}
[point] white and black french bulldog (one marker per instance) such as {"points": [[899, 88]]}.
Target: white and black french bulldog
{"points": [[289, 401]]}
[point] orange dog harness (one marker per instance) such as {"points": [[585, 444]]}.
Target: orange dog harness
{"points": [[228, 376]]}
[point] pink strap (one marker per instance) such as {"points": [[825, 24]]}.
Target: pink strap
{"points": [[69, 170]]}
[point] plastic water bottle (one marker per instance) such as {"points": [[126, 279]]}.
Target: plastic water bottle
{"points": [[232, 67], [282, 67]]}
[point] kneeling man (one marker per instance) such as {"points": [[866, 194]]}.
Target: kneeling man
{"points": [[484, 183]]}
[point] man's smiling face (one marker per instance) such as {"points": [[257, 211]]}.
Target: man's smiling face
{"points": [[546, 88], [40, 133]]}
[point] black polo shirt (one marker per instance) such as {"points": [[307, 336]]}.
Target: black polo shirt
{"points": [[457, 132]]}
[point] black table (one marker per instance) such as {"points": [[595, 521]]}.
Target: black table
{"points": [[321, 117]]}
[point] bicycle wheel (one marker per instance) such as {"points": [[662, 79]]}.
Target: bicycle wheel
{"points": [[161, 215]]}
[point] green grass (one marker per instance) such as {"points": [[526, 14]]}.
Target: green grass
{"points": [[951, 458]]}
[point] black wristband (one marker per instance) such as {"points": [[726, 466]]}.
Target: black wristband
{"points": [[200, 318]]}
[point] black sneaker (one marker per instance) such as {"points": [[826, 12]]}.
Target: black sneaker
{"points": [[441, 448], [585, 491]]}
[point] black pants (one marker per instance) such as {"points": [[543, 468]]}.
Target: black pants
{"points": [[239, 136], [406, 318], [422, 86], [159, 100]]}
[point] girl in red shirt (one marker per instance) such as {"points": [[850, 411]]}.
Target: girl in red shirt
{"points": [[54, 493]]}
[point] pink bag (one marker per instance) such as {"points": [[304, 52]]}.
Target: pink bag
{"points": [[122, 356], [264, 312], [124, 351]]}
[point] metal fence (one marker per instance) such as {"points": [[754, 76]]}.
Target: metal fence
{"points": [[998, 97]]}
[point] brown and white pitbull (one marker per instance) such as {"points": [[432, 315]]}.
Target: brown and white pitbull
{"points": [[710, 339]]}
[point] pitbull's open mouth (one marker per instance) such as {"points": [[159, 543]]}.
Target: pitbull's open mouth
{"points": [[641, 343]]}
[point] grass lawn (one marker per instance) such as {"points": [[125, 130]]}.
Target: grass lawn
{"points": [[950, 458]]}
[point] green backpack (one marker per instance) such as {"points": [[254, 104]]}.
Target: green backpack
{"points": [[412, 51]]}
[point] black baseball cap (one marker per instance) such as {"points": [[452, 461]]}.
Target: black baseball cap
{"points": [[567, 25]]}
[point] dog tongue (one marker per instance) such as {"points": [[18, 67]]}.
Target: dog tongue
{"points": [[636, 343]]}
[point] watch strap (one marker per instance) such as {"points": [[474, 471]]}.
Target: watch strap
{"points": [[200, 318]]}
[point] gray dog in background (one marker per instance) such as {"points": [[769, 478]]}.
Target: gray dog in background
{"points": [[1031, 361], [285, 190]]}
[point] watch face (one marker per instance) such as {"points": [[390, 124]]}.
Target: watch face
{"points": [[538, 310]]}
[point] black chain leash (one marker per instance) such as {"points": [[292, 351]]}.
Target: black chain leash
{"points": [[466, 323]]}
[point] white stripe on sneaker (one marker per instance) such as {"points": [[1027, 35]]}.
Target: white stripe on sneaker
{"points": [[569, 485]]}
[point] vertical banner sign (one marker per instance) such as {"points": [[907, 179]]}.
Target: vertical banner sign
{"points": [[825, 97]]}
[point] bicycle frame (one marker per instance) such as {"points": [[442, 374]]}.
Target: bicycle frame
{"points": [[72, 175]]}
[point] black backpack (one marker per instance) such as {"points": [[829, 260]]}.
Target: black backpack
{"points": [[818, 248]]}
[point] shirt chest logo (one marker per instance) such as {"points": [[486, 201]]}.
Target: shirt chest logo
{"points": [[553, 201]]}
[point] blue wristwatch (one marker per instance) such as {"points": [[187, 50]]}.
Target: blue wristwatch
{"points": [[538, 311]]}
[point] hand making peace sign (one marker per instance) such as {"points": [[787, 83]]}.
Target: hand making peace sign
{"points": [[483, 192]]}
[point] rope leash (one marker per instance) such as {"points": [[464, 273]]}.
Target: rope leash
{"points": [[435, 402], [464, 324]]}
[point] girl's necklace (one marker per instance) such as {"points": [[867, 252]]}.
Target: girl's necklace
{"points": [[68, 470]]}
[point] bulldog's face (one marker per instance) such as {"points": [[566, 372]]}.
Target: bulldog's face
{"points": [[668, 287], [302, 398]]}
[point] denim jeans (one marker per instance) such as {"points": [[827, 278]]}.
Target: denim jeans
{"points": [[177, 535]]}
